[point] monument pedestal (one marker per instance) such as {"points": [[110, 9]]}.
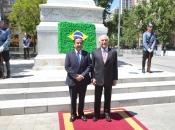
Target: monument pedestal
{"points": [[48, 57]]}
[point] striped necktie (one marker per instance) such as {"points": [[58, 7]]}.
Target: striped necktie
{"points": [[78, 57], [104, 55]]}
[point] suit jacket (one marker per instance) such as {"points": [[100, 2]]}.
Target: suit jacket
{"points": [[73, 68], [104, 73]]}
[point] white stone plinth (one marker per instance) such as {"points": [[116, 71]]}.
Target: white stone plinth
{"points": [[49, 62]]}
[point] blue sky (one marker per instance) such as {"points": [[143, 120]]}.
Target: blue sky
{"points": [[114, 4]]}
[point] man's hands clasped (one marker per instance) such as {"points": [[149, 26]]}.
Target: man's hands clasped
{"points": [[79, 77]]}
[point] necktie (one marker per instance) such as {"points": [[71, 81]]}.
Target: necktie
{"points": [[104, 56], [78, 57]]}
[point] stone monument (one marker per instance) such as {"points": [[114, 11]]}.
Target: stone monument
{"points": [[51, 13]]}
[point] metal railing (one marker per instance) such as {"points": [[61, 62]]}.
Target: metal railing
{"points": [[18, 50]]}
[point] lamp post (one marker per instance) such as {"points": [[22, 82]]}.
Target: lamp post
{"points": [[119, 27]]}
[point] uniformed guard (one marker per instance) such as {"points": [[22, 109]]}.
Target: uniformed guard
{"points": [[5, 37], [149, 41], [26, 45]]}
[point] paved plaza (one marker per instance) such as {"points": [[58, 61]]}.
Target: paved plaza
{"points": [[154, 117]]}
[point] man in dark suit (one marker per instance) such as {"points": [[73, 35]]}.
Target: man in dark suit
{"points": [[78, 65], [105, 75]]}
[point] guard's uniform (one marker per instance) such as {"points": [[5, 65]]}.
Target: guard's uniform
{"points": [[4, 41], [26, 45], [149, 41]]}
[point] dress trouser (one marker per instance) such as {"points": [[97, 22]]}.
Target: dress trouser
{"points": [[6, 58], [74, 91], [26, 53], [145, 56], [107, 99]]}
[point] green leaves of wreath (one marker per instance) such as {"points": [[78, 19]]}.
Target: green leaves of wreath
{"points": [[66, 31]]}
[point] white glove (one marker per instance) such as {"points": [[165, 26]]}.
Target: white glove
{"points": [[150, 50], [25, 46], [1, 49]]}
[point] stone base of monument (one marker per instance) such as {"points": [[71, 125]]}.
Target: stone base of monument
{"points": [[49, 62]]}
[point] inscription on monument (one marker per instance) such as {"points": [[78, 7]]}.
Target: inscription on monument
{"points": [[71, 14]]}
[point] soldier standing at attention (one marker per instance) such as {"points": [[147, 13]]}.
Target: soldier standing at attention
{"points": [[149, 41], [4, 47], [26, 45]]}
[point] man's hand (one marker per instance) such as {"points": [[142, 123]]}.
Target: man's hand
{"points": [[94, 82], [79, 77], [114, 82], [1, 49]]}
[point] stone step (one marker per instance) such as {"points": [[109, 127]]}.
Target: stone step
{"points": [[44, 105], [63, 91], [60, 81]]}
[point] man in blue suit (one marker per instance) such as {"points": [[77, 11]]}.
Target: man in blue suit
{"points": [[78, 65]]}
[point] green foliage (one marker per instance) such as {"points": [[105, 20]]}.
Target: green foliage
{"points": [[134, 23], [128, 28], [105, 4], [163, 12], [113, 30], [25, 16]]}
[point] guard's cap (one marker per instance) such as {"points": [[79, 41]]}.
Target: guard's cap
{"points": [[78, 35], [149, 25], [25, 33]]}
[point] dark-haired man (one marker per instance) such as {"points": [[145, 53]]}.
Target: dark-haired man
{"points": [[78, 65], [149, 41], [5, 37]]}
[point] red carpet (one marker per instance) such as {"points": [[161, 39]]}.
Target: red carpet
{"points": [[121, 120]]}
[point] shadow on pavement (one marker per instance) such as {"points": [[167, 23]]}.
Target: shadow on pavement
{"points": [[21, 76], [121, 63]]}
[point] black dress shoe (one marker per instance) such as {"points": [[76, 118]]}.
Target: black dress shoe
{"points": [[8, 76], [150, 71], [95, 119], [72, 118], [83, 118], [108, 118], [143, 70]]}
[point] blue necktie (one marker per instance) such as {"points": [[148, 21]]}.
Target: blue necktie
{"points": [[78, 57]]}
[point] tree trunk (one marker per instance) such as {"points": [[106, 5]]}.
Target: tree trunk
{"points": [[34, 47]]}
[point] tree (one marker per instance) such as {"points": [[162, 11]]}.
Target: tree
{"points": [[25, 16], [129, 28], [105, 4], [113, 30], [163, 12]]}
